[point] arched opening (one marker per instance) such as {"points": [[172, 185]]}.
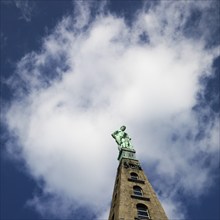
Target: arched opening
{"points": [[134, 176], [142, 211], [137, 191]]}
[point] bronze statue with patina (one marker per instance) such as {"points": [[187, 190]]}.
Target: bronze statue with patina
{"points": [[122, 138]]}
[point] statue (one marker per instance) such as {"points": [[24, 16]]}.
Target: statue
{"points": [[122, 138]]}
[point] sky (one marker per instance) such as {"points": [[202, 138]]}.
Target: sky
{"points": [[72, 72]]}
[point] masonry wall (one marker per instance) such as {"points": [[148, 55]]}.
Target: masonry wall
{"points": [[124, 201]]}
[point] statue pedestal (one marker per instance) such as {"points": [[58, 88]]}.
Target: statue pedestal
{"points": [[126, 153]]}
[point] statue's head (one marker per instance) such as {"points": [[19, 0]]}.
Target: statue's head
{"points": [[122, 128]]}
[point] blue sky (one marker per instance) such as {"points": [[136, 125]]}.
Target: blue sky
{"points": [[74, 71]]}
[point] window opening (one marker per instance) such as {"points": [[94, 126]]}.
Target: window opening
{"points": [[132, 165], [134, 176], [137, 191], [142, 211]]}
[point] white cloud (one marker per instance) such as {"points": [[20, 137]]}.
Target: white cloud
{"points": [[173, 210], [26, 8], [64, 123]]}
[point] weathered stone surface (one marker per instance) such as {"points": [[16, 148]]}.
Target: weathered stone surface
{"points": [[123, 204]]}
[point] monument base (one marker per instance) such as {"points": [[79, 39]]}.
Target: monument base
{"points": [[126, 153]]}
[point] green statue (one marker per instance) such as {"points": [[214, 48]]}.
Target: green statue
{"points": [[122, 138]]}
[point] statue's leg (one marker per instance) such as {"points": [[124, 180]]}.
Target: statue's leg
{"points": [[123, 144], [126, 143]]}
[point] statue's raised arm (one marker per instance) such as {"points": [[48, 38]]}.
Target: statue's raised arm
{"points": [[122, 138]]}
